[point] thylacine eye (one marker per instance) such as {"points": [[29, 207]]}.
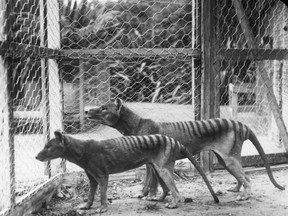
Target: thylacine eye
{"points": [[103, 109]]}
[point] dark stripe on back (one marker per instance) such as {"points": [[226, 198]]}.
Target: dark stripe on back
{"points": [[179, 126], [133, 143], [161, 141], [151, 142], [234, 126], [200, 129], [146, 142], [189, 129], [212, 126], [219, 125], [129, 144], [204, 124], [140, 143], [176, 146], [194, 129], [225, 124]]}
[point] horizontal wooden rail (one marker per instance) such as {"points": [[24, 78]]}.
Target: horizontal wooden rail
{"points": [[25, 50], [253, 54], [125, 52]]}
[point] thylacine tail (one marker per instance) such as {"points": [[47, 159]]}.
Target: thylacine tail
{"points": [[187, 154], [252, 137]]}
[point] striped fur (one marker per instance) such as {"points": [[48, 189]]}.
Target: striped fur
{"points": [[222, 136], [101, 158]]}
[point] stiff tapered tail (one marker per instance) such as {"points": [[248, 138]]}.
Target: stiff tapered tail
{"points": [[252, 137], [193, 161]]}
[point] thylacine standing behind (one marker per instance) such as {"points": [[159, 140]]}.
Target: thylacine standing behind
{"points": [[222, 136]]}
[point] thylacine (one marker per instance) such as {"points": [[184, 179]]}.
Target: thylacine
{"points": [[222, 136], [101, 158]]}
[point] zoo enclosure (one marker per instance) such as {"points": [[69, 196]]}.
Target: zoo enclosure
{"points": [[140, 51], [31, 104]]}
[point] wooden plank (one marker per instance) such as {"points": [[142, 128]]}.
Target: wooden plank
{"points": [[54, 84], [141, 52], [81, 94], [44, 81], [194, 41], [208, 96], [197, 62], [268, 86], [256, 160], [34, 200], [7, 157], [18, 50], [21, 50], [253, 54]]}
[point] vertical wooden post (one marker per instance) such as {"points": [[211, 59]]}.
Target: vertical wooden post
{"points": [[55, 92], [208, 86], [81, 94], [268, 86], [44, 81], [193, 42], [7, 159], [197, 62]]}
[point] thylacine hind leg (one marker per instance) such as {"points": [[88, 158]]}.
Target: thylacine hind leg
{"points": [[234, 167], [166, 174], [239, 184], [164, 187], [150, 184]]}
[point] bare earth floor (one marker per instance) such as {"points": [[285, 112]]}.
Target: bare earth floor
{"points": [[266, 199]]}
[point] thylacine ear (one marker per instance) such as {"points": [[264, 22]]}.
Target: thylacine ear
{"points": [[118, 103], [58, 135]]}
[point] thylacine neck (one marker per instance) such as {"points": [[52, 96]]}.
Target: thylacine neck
{"points": [[75, 152], [128, 122]]}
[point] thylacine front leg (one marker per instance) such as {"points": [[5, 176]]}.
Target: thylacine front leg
{"points": [[93, 187], [103, 183]]}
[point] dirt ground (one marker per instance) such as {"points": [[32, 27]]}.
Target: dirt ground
{"points": [[266, 199]]}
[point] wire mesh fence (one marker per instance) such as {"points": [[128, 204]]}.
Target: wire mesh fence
{"points": [[246, 84], [143, 52], [30, 96], [146, 53], [138, 51]]}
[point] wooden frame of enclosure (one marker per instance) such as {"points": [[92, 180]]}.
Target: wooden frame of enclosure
{"points": [[47, 53], [210, 79], [50, 53]]}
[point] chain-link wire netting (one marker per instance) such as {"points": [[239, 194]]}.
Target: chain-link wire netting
{"points": [[139, 51], [30, 95], [243, 93]]}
